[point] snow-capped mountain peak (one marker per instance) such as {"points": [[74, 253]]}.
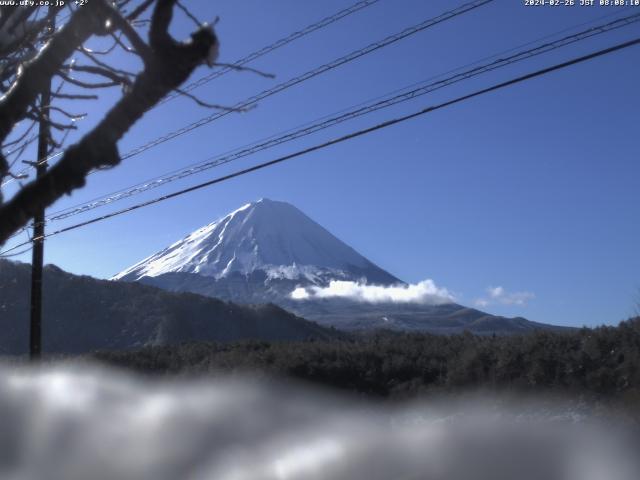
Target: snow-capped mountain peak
{"points": [[270, 236]]}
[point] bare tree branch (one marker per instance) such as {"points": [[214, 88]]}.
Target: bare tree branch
{"points": [[242, 68], [139, 10], [167, 66], [74, 96], [36, 73], [21, 137], [69, 115], [87, 53], [215, 106], [188, 13], [106, 72], [80, 83], [101, 52], [138, 44], [36, 114]]}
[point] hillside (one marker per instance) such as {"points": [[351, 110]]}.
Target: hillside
{"points": [[271, 252], [81, 313]]}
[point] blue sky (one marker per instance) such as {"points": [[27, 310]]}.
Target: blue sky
{"points": [[533, 188]]}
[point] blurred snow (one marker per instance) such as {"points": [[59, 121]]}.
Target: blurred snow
{"points": [[79, 422]]}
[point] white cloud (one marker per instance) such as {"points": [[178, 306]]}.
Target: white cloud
{"points": [[495, 292], [425, 292], [500, 296]]}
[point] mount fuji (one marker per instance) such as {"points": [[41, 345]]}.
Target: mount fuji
{"points": [[272, 238], [270, 252]]}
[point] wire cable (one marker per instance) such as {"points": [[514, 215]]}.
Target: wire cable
{"points": [[252, 101], [356, 7], [16, 254], [330, 121], [344, 138]]}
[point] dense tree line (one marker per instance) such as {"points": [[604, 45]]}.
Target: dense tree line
{"points": [[604, 361], [105, 315]]}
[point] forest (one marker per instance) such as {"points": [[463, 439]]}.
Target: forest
{"points": [[603, 362]]}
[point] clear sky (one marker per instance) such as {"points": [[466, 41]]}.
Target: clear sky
{"points": [[534, 188]]}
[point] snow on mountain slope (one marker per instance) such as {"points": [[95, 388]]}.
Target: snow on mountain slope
{"points": [[271, 252], [273, 237]]}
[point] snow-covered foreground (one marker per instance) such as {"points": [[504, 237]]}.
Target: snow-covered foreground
{"points": [[71, 422]]}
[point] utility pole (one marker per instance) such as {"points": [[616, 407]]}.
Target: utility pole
{"points": [[37, 257]]}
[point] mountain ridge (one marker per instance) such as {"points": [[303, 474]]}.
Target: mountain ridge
{"points": [[82, 314], [267, 235], [266, 250]]}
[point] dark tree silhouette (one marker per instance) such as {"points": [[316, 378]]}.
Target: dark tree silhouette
{"points": [[603, 362], [33, 54]]}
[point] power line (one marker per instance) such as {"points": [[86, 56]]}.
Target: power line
{"points": [[16, 254], [356, 7], [252, 101], [359, 133], [309, 129]]}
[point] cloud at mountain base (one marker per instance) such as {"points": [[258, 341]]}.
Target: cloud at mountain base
{"points": [[424, 292]]}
